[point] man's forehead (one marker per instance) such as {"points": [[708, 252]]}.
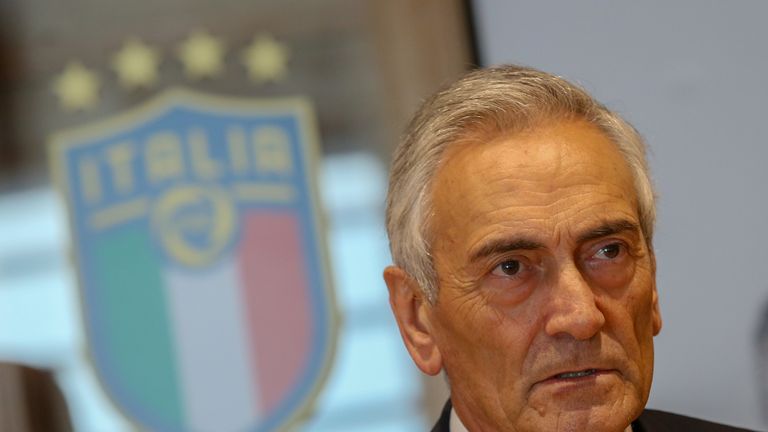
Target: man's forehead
{"points": [[549, 147], [567, 171]]}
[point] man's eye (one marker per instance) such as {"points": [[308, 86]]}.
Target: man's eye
{"points": [[610, 251], [508, 268]]}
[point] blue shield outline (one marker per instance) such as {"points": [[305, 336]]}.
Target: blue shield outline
{"points": [[66, 146]]}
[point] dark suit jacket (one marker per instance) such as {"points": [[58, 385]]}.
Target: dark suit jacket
{"points": [[649, 421]]}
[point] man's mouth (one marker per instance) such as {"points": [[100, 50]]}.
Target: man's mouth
{"points": [[577, 374]]}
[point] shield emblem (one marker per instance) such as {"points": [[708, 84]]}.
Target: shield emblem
{"points": [[201, 262]]}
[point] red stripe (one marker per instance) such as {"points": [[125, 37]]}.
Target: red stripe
{"points": [[277, 295]]}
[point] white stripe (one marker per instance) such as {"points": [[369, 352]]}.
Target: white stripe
{"points": [[212, 348]]}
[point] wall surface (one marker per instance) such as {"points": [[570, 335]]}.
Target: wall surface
{"points": [[690, 76]]}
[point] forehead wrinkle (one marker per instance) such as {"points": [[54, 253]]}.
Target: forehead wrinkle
{"points": [[547, 210], [578, 231], [526, 187], [481, 180]]}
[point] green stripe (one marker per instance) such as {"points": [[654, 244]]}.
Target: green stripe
{"points": [[137, 327]]}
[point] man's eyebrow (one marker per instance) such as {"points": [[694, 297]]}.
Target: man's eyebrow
{"points": [[609, 228], [499, 246]]}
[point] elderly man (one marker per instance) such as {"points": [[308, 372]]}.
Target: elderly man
{"points": [[520, 215]]}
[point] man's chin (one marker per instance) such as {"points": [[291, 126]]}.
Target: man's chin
{"points": [[580, 416], [602, 402], [576, 422]]}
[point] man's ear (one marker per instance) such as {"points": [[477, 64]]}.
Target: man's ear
{"points": [[412, 313], [655, 309], [656, 312]]}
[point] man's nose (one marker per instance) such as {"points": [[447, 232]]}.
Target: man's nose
{"points": [[572, 307]]}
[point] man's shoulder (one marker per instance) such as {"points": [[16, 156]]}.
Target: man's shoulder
{"points": [[660, 421]]}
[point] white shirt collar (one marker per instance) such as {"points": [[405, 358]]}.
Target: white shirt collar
{"points": [[456, 425]]}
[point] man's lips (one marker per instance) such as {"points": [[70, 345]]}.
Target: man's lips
{"points": [[578, 374], [574, 374]]}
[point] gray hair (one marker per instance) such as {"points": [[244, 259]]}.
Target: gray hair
{"points": [[480, 106]]}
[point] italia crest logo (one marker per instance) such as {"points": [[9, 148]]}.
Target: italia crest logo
{"points": [[201, 260]]}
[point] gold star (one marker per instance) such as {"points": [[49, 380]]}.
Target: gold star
{"points": [[136, 64], [265, 59], [77, 87], [202, 55]]}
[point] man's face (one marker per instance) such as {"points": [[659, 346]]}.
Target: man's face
{"points": [[547, 304]]}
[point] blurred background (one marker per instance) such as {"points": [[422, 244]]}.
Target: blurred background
{"points": [[689, 75]]}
